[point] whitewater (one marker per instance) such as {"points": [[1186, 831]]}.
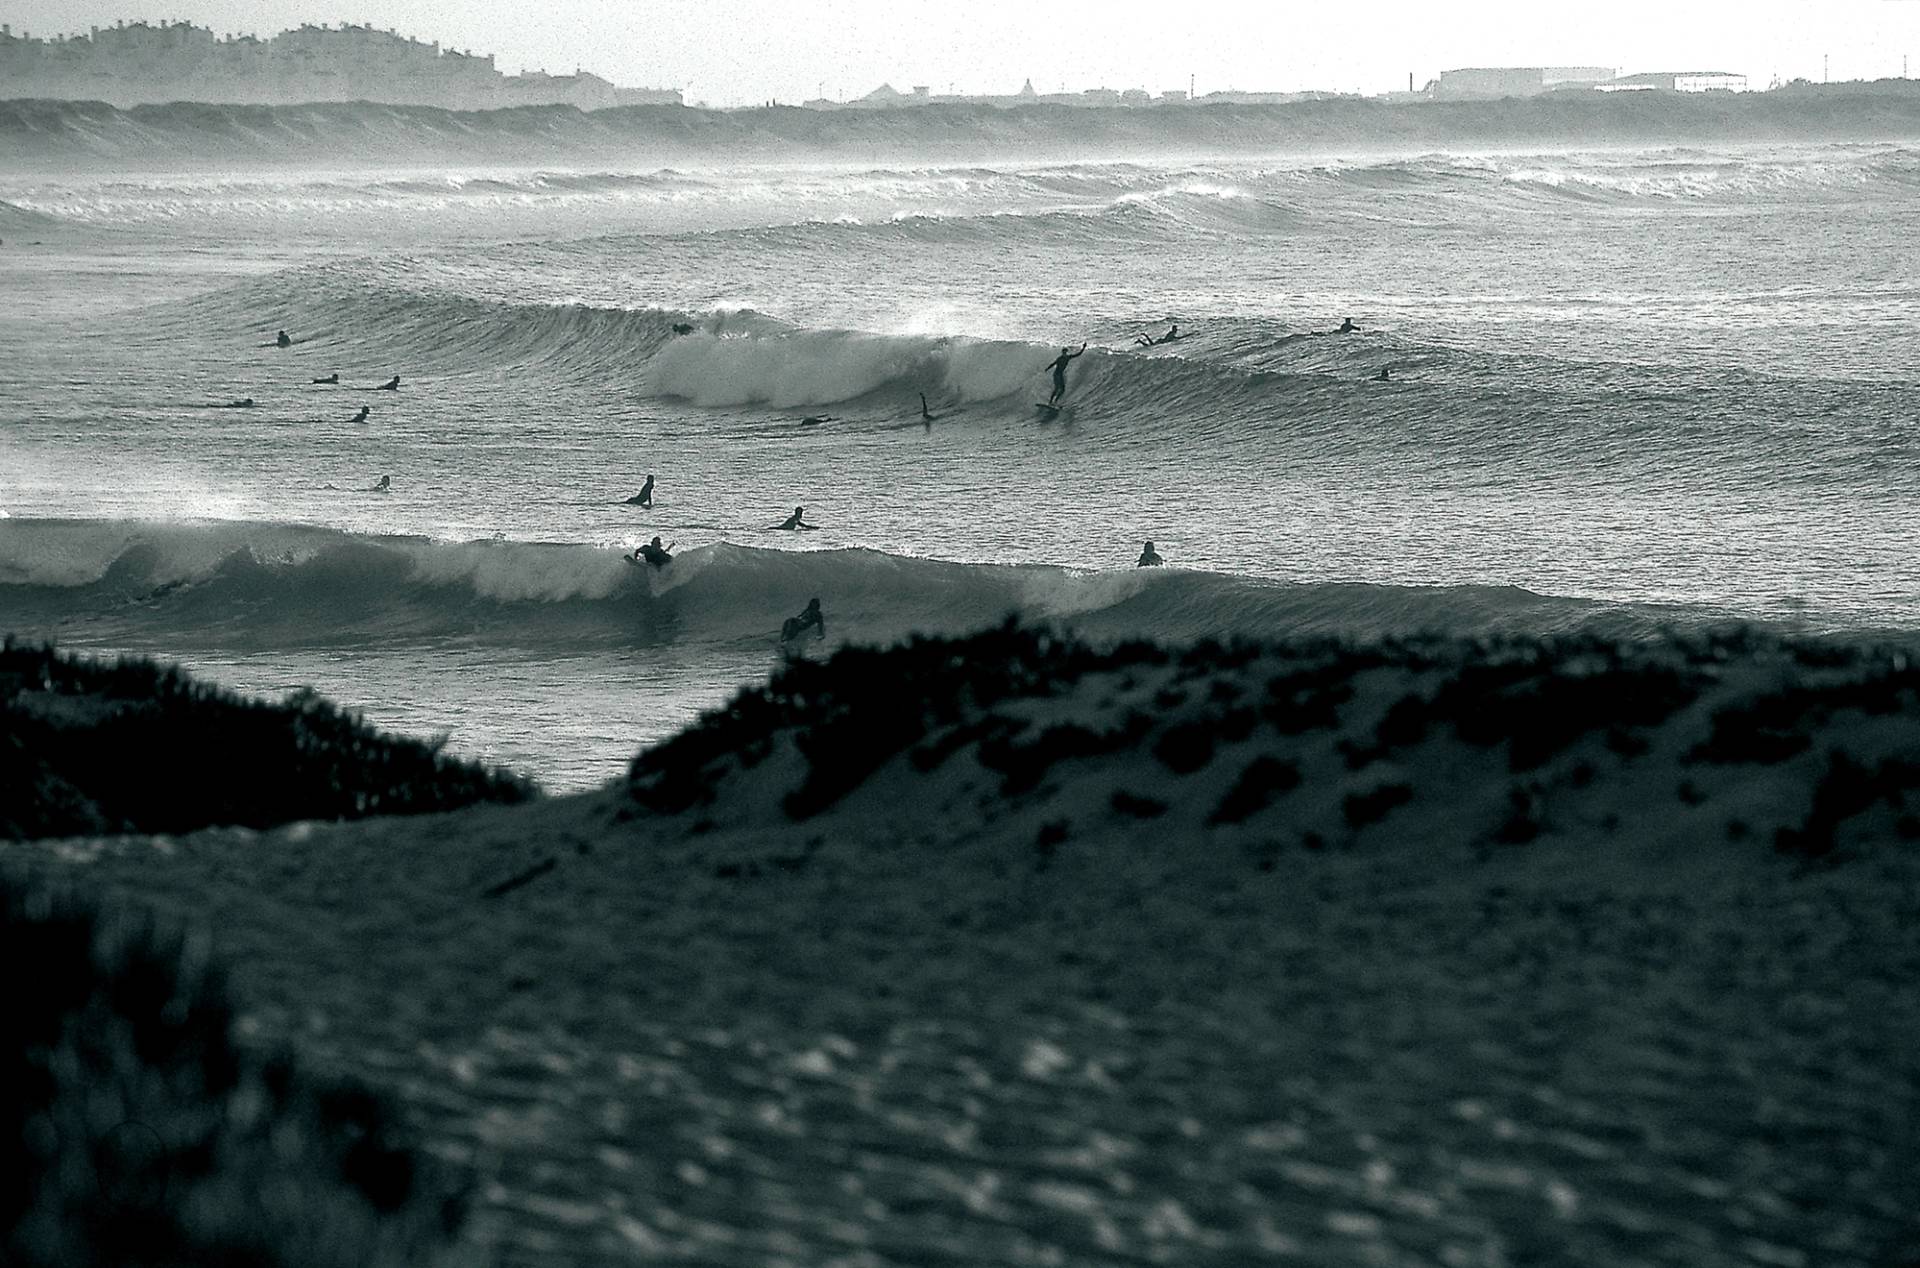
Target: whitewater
{"points": [[1628, 390]]}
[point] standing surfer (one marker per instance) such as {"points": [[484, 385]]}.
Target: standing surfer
{"points": [[1059, 367]]}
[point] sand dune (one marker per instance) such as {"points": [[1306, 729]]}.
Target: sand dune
{"points": [[1011, 951]]}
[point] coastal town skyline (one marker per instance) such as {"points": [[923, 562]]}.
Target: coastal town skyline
{"points": [[756, 52]]}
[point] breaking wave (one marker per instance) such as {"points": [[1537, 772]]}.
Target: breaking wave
{"points": [[231, 584]]}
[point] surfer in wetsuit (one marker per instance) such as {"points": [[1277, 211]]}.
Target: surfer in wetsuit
{"points": [[245, 402], [385, 485], [654, 553], [1149, 557], [682, 328], [282, 340], [1059, 367], [361, 417], [793, 520], [926, 415], [1383, 376], [1347, 327], [391, 385], [814, 420], [1148, 341], [331, 378], [811, 619], [645, 496]]}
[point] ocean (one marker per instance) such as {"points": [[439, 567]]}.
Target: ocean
{"points": [[1628, 390]]}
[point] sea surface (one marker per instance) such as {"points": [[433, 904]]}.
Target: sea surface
{"points": [[1628, 390]]}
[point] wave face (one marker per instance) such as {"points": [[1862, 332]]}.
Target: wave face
{"points": [[44, 130], [254, 586]]}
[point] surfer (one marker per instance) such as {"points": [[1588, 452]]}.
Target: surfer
{"points": [[793, 520], [654, 553], [814, 420], [391, 385], [811, 619], [331, 378], [385, 485], [282, 340], [1059, 367], [1149, 557], [1347, 327], [245, 402], [1148, 341], [682, 328], [361, 417], [1383, 376], [645, 496], [926, 415]]}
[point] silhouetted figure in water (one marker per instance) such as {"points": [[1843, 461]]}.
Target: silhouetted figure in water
{"points": [[682, 328], [926, 415], [1148, 341], [245, 402], [793, 520], [361, 417], [645, 496], [1347, 327], [814, 420], [1383, 376], [1059, 367], [654, 553], [391, 385], [282, 340], [811, 619], [1149, 557], [331, 378], [385, 485]]}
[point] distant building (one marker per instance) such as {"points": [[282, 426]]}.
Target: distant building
{"points": [[886, 96], [1678, 81], [134, 63], [1484, 83]]}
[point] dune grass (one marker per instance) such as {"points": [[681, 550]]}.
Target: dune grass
{"points": [[130, 745]]}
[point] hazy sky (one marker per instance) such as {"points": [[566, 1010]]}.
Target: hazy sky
{"points": [[731, 52]]}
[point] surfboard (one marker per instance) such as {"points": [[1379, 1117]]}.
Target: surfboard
{"points": [[1051, 409]]}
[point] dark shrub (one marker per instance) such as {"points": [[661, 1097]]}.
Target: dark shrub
{"points": [[1185, 747], [1372, 806], [1139, 807], [131, 746], [1264, 778], [136, 1132], [1024, 765]]}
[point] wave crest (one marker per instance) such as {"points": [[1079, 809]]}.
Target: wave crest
{"points": [[244, 584]]}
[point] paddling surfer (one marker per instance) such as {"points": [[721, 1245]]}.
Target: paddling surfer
{"points": [[811, 619], [793, 521]]}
